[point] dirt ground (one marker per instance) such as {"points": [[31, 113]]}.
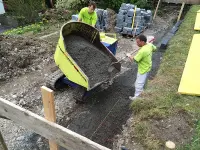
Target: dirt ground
{"points": [[20, 56], [28, 73]]}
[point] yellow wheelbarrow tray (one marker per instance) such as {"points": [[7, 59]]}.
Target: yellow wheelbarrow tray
{"points": [[67, 64]]}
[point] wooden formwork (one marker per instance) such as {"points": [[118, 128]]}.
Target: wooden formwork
{"points": [[46, 127]]}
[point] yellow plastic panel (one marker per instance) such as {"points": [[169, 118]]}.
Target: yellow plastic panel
{"points": [[108, 40], [102, 35], [197, 23], [68, 66], [190, 81]]}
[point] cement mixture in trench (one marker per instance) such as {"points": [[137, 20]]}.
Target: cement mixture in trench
{"points": [[105, 111], [90, 59]]}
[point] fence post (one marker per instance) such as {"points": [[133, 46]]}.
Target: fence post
{"points": [[180, 13], [156, 9]]}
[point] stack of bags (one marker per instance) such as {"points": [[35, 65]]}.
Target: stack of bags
{"points": [[125, 19], [102, 22], [122, 18], [75, 17]]}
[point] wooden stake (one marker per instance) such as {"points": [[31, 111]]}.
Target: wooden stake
{"points": [[156, 9], [133, 21], [2, 143], [49, 110], [180, 13]]}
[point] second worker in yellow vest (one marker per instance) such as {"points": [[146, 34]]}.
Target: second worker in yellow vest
{"points": [[88, 15]]}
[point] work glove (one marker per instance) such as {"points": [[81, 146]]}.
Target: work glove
{"points": [[129, 56]]}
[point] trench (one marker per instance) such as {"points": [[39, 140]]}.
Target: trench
{"points": [[105, 112]]}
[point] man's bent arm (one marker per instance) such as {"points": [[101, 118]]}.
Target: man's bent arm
{"points": [[79, 19]]}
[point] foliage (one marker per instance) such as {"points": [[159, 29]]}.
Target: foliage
{"points": [[141, 3], [25, 11], [147, 4], [55, 15], [195, 143], [71, 4], [115, 4], [35, 28]]}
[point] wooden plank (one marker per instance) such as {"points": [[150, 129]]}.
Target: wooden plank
{"points": [[52, 131], [180, 13], [197, 22], [181, 1], [48, 103], [156, 9], [49, 110], [190, 83], [2, 143]]}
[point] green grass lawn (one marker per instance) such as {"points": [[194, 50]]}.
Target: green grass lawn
{"points": [[161, 100], [195, 143]]}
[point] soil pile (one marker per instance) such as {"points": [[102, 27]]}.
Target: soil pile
{"points": [[90, 59], [20, 55], [57, 15]]}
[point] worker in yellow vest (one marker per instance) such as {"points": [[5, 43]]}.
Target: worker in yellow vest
{"points": [[144, 60], [88, 15]]}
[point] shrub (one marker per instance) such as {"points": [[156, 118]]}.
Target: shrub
{"points": [[115, 4], [25, 11], [112, 4], [71, 4], [35, 28]]}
